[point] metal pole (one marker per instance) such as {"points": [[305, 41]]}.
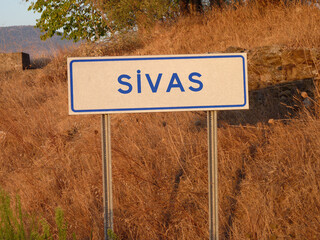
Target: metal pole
{"points": [[107, 174], [213, 175]]}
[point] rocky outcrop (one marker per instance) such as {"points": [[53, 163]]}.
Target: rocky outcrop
{"points": [[271, 65]]}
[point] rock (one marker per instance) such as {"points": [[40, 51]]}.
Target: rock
{"points": [[272, 65], [235, 50], [304, 94], [271, 121]]}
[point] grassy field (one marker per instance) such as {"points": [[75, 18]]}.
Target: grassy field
{"points": [[269, 174]]}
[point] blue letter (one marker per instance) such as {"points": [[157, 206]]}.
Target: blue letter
{"points": [[155, 87], [124, 83], [139, 81], [174, 85], [195, 81]]}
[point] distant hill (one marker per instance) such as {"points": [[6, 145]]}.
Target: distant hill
{"points": [[27, 39]]}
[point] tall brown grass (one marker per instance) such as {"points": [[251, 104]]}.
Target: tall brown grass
{"points": [[246, 26], [268, 173]]}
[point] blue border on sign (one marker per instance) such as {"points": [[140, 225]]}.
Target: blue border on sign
{"points": [[156, 108]]}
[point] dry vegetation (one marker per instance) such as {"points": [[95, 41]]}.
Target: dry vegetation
{"points": [[246, 26], [268, 173]]}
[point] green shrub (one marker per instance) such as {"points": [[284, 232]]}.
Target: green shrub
{"points": [[13, 222]]}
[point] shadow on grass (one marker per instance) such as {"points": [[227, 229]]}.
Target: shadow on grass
{"points": [[279, 102], [39, 62]]}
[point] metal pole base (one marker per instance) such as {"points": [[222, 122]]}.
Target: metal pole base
{"points": [[213, 175]]}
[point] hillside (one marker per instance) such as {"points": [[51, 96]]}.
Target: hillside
{"points": [[269, 171], [27, 39]]}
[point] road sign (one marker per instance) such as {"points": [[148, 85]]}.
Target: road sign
{"points": [[157, 83]]}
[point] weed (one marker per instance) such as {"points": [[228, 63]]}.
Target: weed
{"points": [[61, 224], [13, 227], [112, 235]]}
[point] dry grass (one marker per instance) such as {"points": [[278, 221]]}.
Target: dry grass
{"points": [[282, 183], [246, 26], [268, 174]]}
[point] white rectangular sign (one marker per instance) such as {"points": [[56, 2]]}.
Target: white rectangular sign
{"points": [[157, 83]]}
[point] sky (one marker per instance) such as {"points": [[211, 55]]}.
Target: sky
{"points": [[15, 13]]}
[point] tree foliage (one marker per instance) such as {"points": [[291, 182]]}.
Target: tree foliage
{"points": [[127, 14], [93, 19], [77, 19]]}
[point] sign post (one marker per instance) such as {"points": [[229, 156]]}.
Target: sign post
{"points": [[213, 174], [107, 174], [166, 83]]}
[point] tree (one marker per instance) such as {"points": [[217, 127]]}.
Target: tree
{"points": [[77, 19], [128, 14], [93, 19]]}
